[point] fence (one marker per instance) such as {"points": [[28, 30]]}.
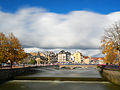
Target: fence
{"points": [[110, 67]]}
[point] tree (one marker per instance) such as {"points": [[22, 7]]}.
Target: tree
{"points": [[32, 61], [16, 51], [111, 42], [11, 49], [4, 48], [113, 34], [110, 51]]}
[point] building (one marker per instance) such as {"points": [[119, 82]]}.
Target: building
{"points": [[78, 57], [72, 58], [33, 54], [42, 54], [51, 56], [38, 60], [29, 57], [101, 60], [86, 60], [41, 59], [68, 56], [47, 56], [97, 60], [62, 57]]}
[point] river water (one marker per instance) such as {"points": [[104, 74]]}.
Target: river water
{"points": [[79, 72], [61, 85]]}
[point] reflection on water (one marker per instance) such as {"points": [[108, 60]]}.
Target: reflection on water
{"points": [[60, 85]]}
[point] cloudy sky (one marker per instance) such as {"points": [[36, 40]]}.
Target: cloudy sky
{"points": [[58, 23]]}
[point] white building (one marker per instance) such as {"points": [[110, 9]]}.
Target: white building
{"points": [[62, 58]]}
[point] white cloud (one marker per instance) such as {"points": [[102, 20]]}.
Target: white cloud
{"points": [[38, 27]]}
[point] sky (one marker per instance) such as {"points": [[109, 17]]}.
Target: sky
{"points": [[58, 23]]}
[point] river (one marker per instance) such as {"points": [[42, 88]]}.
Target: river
{"points": [[61, 85]]}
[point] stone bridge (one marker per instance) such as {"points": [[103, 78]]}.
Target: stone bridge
{"points": [[76, 66]]}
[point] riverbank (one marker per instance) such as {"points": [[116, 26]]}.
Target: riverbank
{"points": [[113, 76], [7, 74]]}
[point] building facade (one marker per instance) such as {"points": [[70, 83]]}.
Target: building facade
{"points": [[64, 57], [78, 57]]}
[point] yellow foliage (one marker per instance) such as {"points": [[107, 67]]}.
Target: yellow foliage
{"points": [[10, 49], [109, 50]]}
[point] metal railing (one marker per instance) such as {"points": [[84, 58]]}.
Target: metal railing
{"points": [[110, 67]]}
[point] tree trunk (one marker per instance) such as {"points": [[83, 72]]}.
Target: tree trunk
{"points": [[11, 64], [1, 65]]}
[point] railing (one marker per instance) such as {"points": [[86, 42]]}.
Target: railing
{"points": [[110, 67], [78, 64]]}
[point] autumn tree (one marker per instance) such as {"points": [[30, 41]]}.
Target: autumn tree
{"points": [[109, 51], [111, 42], [113, 34], [11, 49], [4, 48], [16, 52]]}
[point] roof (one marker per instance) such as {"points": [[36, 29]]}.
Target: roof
{"points": [[85, 57], [97, 58]]}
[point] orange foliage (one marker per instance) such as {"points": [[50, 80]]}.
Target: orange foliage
{"points": [[109, 50], [10, 49]]}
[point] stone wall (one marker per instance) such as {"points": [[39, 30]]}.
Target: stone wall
{"points": [[7, 74], [113, 76]]}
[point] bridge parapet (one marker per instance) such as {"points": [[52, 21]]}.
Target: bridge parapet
{"points": [[76, 66]]}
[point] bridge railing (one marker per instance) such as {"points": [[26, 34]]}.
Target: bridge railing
{"points": [[110, 67], [78, 64]]}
